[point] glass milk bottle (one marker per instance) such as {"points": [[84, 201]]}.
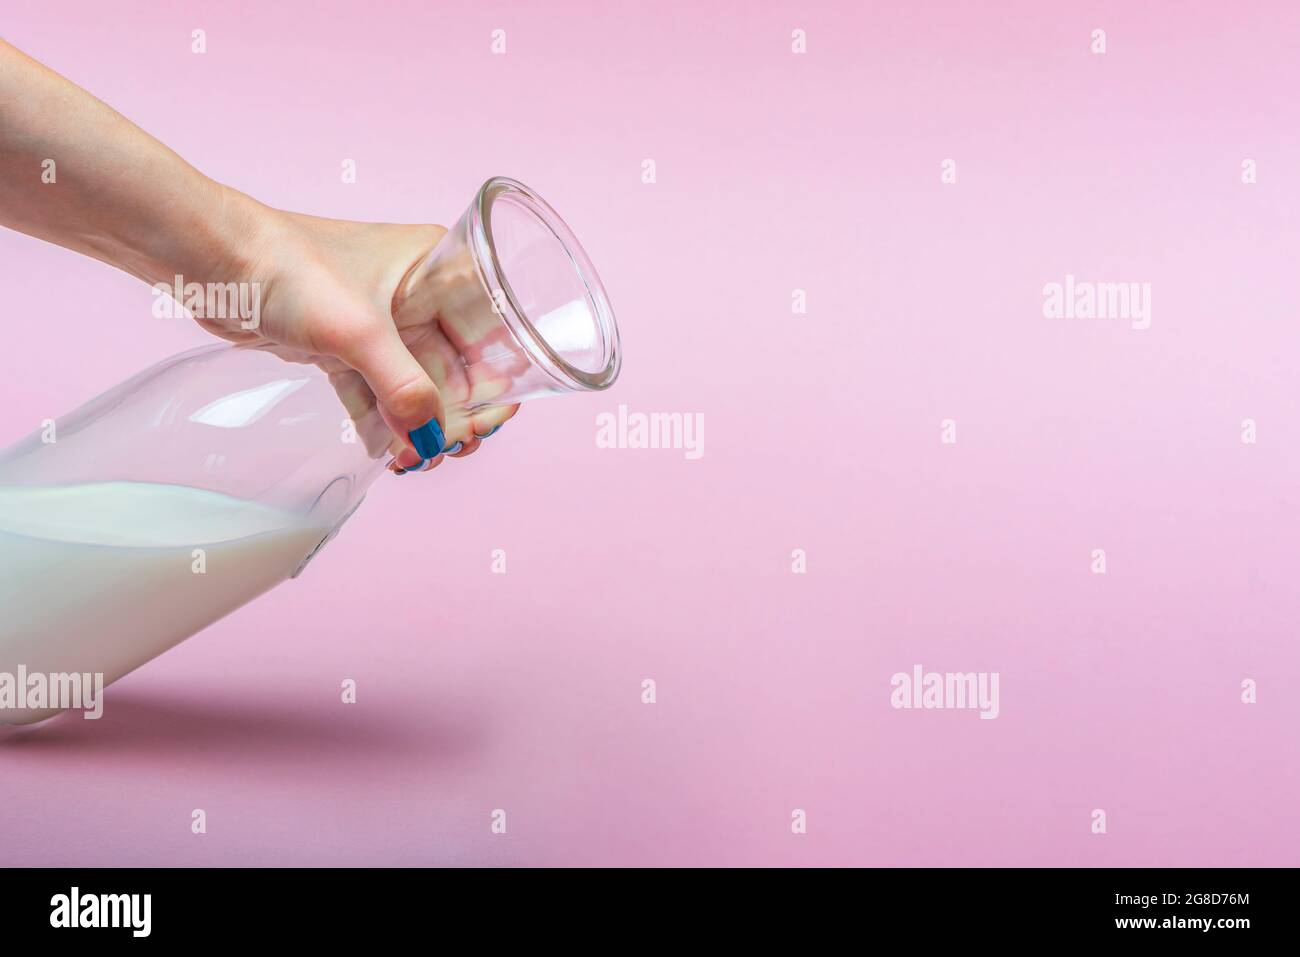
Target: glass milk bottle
{"points": [[190, 489]]}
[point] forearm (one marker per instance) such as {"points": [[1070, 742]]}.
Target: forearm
{"points": [[76, 173], [112, 191]]}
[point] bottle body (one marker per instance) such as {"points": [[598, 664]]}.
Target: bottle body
{"points": [[163, 505], [197, 485]]}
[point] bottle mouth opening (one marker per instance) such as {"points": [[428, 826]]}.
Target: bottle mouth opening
{"points": [[544, 285]]}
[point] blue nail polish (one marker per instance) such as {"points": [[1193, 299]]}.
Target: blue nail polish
{"points": [[428, 439], [414, 468], [453, 450], [489, 435]]}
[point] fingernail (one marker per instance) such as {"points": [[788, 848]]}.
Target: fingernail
{"points": [[489, 435], [453, 450], [428, 439], [414, 468]]}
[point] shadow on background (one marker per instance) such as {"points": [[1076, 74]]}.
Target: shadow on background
{"points": [[247, 729]]}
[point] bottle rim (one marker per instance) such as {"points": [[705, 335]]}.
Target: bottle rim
{"points": [[493, 277]]}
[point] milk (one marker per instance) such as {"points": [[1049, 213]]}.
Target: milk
{"points": [[80, 563]]}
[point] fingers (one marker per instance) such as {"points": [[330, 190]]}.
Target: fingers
{"points": [[464, 447], [487, 421], [425, 465], [359, 402], [416, 297], [443, 364], [484, 425], [408, 399], [425, 360]]}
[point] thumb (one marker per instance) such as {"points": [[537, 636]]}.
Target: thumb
{"points": [[408, 399]]}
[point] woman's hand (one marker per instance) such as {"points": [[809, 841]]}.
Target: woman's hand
{"points": [[76, 173], [327, 288]]}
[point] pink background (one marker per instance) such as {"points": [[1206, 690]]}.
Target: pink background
{"points": [[775, 172]]}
